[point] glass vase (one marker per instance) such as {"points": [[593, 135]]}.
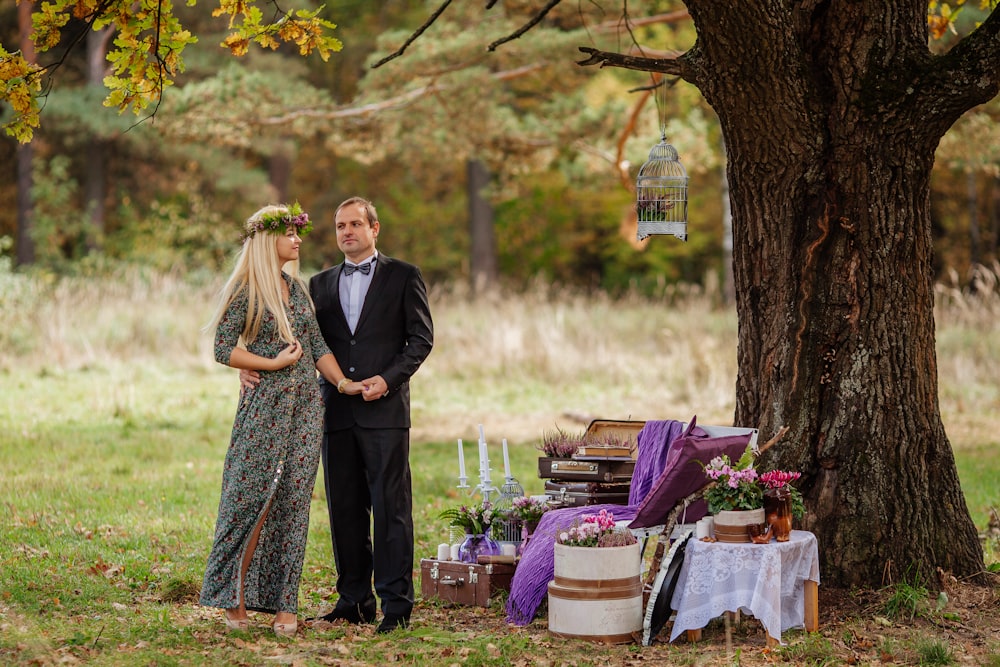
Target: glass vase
{"points": [[778, 510], [475, 546]]}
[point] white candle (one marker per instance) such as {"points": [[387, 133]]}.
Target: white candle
{"points": [[506, 460], [444, 551], [486, 463], [461, 460], [508, 549], [453, 552]]}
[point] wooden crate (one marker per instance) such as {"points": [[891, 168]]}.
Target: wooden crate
{"points": [[463, 584]]}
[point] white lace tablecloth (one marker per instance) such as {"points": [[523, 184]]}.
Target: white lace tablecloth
{"points": [[764, 580]]}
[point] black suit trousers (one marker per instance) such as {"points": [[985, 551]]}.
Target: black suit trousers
{"points": [[368, 490]]}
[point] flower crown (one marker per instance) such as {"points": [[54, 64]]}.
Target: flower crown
{"points": [[279, 221]]}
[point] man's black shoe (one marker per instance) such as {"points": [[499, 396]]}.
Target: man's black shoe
{"points": [[390, 622], [352, 614]]}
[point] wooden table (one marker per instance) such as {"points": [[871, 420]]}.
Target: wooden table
{"points": [[777, 583]]}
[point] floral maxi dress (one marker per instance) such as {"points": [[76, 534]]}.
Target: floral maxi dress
{"points": [[271, 465]]}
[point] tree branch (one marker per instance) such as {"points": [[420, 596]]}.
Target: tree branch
{"points": [[526, 27], [675, 66], [972, 67], [412, 38], [385, 105]]}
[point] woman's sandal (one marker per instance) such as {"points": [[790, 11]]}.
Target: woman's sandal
{"points": [[285, 629], [236, 624]]}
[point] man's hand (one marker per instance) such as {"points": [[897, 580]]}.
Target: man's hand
{"points": [[374, 388], [249, 379]]}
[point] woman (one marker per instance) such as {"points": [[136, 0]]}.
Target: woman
{"points": [[270, 467]]}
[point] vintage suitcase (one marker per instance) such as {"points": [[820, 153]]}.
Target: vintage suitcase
{"points": [[577, 494], [464, 584], [586, 470], [627, 431]]}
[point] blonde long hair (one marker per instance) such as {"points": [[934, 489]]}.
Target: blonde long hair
{"points": [[258, 271]]}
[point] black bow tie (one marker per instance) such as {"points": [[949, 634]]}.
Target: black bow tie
{"points": [[365, 268]]}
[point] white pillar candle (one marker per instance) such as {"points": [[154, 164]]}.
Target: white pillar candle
{"points": [[454, 551], [444, 551], [485, 476], [506, 460], [461, 460], [508, 549]]}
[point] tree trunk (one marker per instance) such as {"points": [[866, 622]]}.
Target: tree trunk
{"points": [[98, 147], [829, 168], [279, 169], [975, 255], [483, 239], [25, 155]]}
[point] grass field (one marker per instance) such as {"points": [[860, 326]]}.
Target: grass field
{"points": [[114, 422]]}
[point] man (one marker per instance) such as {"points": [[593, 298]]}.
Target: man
{"points": [[374, 315]]}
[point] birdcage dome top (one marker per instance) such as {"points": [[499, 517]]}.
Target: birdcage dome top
{"points": [[663, 162]]}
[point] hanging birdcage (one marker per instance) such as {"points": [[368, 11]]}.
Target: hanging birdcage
{"points": [[661, 193]]}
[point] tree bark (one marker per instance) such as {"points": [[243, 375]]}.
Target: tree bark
{"points": [[831, 113]]}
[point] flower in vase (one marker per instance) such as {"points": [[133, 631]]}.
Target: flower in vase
{"points": [[527, 508], [782, 479], [473, 519]]}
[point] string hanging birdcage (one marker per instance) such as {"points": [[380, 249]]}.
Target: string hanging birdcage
{"points": [[661, 185]]}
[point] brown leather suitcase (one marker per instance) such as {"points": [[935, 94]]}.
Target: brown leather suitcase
{"points": [[577, 494], [463, 584], [590, 470]]}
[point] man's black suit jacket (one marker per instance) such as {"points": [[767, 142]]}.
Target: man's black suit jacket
{"points": [[393, 337]]}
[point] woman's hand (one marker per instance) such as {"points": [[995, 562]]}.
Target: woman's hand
{"points": [[288, 356], [353, 388]]}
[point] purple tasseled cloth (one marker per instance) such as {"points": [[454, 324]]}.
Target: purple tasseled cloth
{"points": [[653, 442], [535, 569]]}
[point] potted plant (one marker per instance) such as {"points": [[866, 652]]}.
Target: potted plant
{"points": [[737, 498], [527, 510], [559, 444], [476, 521], [596, 591]]}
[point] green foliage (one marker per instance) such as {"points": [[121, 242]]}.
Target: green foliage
{"points": [[906, 599], [59, 229], [148, 46], [184, 232], [934, 652], [814, 649]]}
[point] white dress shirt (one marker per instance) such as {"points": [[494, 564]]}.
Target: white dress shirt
{"points": [[353, 289]]}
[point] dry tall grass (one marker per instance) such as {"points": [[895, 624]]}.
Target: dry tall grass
{"points": [[518, 363]]}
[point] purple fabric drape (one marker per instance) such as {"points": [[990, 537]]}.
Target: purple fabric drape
{"points": [[653, 442], [535, 569]]}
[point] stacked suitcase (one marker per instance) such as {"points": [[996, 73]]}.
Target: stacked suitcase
{"points": [[591, 480]]}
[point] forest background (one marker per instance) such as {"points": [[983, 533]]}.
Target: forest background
{"points": [[550, 148]]}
